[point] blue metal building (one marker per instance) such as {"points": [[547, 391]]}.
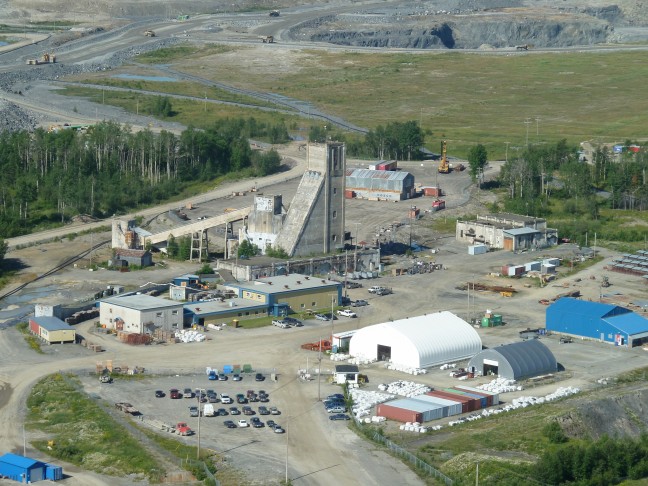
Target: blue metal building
{"points": [[21, 469], [603, 322]]}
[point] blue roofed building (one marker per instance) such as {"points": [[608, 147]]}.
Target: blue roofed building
{"points": [[21, 469], [594, 320]]}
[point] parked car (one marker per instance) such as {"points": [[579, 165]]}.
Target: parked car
{"points": [[159, 394], [229, 424], [265, 398], [353, 285], [375, 288], [222, 377], [247, 410], [339, 416], [174, 394], [187, 393], [263, 410], [271, 423], [293, 322], [256, 423], [384, 291], [277, 429], [234, 411], [336, 409], [259, 377], [243, 423], [193, 411], [359, 303], [347, 313], [249, 393], [225, 398], [322, 317], [240, 398], [212, 375], [274, 411], [334, 396], [280, 323], [222, 412], [236, 377]]}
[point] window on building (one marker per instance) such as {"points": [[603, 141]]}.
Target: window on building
{"points": [[334, 237], [158, 314], [302, 305], [334, 214], [110, 310], [174, 313], [247, 313], [335, 190], [314, 304]]}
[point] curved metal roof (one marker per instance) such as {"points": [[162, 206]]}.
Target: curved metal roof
{"points": [[518, 360], [419, 342]]}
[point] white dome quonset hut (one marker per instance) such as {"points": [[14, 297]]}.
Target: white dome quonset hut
{"points": [[418, 342]]}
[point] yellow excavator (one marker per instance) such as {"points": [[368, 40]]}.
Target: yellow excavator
{"points": [[444, 167]]}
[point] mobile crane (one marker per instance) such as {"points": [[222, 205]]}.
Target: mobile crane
{"points": [[444, 167]]}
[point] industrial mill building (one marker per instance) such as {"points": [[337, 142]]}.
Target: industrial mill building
{"points": [[379, 185], [418, 342]]}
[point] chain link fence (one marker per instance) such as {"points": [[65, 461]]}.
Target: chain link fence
{"points": [[398, 450]]}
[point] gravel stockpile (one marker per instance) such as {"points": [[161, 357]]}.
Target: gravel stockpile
{"points": [[13, 118]]}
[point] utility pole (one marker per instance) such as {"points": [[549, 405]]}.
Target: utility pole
{"points": [[506, 154], [355, 250], [205, 101], [199, 414], [527, 122], [319, 372]]}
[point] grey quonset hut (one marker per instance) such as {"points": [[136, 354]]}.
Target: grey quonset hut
{"points": [[515, 361]]}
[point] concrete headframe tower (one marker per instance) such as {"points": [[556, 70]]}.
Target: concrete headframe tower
{"points": [[315, 220]]}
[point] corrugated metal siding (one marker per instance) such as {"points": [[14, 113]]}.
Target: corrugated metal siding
{"points": [[454, 397], [399, 414], [358, 179], [449, 407]]}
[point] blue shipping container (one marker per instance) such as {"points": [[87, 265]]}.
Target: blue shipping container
{"points": [[227, 369], [53, 473]]}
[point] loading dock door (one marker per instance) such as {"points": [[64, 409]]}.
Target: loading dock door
{"points": [[491, 367], [384, 353]]}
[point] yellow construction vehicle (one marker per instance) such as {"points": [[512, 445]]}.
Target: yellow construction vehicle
{"points": [[46, 58], [149, 33], [444, 167]]}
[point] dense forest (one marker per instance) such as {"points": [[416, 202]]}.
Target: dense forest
{"points": [[47, 177]]}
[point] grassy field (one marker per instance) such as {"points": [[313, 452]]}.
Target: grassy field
{"points": [[83, 433], [464, 98], [187, 112]]}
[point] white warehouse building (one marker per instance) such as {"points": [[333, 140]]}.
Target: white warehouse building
{"points": [[418, 342], [140, 314]]}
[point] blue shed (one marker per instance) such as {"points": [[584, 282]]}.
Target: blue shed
{"points": [[604, 322], [21, 469]]}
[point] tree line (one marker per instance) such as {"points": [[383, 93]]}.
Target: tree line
{"points": [[48, 177]]}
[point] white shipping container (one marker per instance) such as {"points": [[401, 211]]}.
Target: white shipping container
{"points": [[551, 261], [477, 249], [450, 407], [532, 267]]}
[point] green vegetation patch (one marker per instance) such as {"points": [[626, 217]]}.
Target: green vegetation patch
{"points": [[189, 112], [466, 98], [30, 339], [82, 432], [176, 53]]}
